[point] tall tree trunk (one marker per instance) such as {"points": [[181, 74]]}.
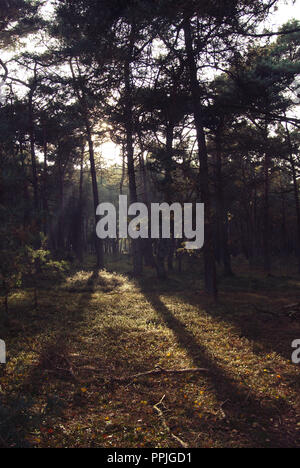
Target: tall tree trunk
{"points": [[136, 243], [284, 242], [169, 183], [266, 229], [33, 156], [79, 221], [80, 92], [253, 221], [27, 209], [296, 192], [221, 211], [209, 256], [123, 172], [168, 161], [44, 191], [147, 244], [61, 227], [98, 242], [297, 203]]}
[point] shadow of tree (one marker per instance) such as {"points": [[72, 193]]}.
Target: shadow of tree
{"points": [[53, 358], [62, 325], [240, 399], [267, 332]]}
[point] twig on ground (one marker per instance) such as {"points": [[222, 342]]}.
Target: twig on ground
{"points": [[222, 408], [127, 379], [165, 425], [157, 371]]}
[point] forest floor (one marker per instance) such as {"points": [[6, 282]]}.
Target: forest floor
{"points": [[57, 389]]}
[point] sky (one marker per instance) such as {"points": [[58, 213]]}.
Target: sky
{"points": [[286, 11]]}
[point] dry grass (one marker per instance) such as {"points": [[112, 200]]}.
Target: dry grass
{"points": [[118, 326]]}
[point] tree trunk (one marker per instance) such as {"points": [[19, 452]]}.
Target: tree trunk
{"points": [[168, 162], [169, 193], [123, 172], [136, 243], [80, 92], [147, 244], [78, 227], [209, 256], [33, 156], [61, 227], [162, 248], [284, 242], [296, 193], [44, 191], [266, 230], [297, 203], [221, 211], [98, 242], [27, 209]]}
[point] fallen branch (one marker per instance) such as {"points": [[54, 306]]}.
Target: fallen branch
{"points": [[222, 409], [157, 371], [165, 425]]}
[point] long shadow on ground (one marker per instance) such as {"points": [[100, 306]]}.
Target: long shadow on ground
{"points": [[53, 355], [240, 400]]}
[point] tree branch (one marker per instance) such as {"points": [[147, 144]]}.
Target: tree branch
{"points": [[270, 34], [3, 65]]}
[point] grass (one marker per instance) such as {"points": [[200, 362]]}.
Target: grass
{"points": [[108, 324]]}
